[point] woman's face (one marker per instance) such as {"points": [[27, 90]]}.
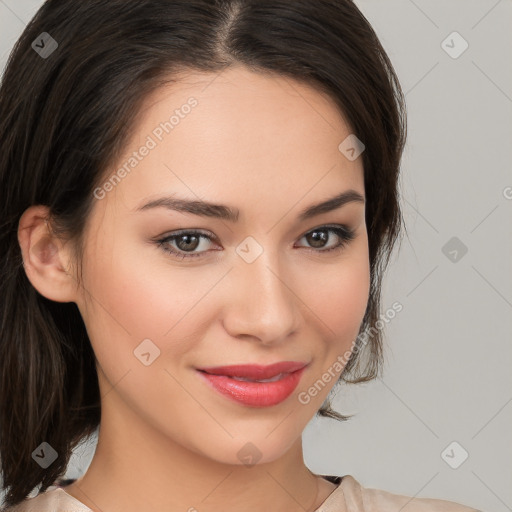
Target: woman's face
{"points": [[258, 290]]}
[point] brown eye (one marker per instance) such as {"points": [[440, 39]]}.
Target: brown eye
{"points": [[185, 243], [319, 237]]}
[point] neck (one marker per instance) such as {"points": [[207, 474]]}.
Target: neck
{"points": [[135, 467]]}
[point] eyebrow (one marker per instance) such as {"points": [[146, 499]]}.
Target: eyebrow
{"points": [[220, 211]]}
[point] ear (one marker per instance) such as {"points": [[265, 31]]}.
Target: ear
{"points": [[45, 257]]}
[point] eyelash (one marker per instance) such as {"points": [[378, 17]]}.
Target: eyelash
{"points": [[346, 234]]}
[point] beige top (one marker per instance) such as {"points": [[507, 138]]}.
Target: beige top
{"points": [[349, 496]]}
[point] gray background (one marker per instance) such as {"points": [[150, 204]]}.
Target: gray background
{"points": [[448, 352]]}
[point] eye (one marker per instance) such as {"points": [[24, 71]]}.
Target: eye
{"points": [[318, 237], [183, 243]]}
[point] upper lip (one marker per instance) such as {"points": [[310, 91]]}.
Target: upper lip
{"points": [[255, 371]]}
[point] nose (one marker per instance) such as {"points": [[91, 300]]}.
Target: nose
{"points": [[262, 304]]}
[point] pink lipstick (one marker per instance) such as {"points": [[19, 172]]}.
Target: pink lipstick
{"points": [[255, 385]]}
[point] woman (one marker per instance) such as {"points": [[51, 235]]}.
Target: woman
{"points": [[199, 200]]}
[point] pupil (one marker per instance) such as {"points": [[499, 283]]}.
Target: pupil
{"points": [[188, 241], [318, 236]]}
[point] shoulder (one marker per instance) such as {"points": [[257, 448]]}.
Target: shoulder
{"points": [[362, 499], [376, 500], [54, 499]]}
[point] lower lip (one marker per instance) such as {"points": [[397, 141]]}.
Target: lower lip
{"points": [[255, 394]]}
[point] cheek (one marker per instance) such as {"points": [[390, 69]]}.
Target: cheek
{"points": [[136, 299], [341, 298]]}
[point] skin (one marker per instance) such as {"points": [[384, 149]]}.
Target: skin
{"points": [[268, 146]]}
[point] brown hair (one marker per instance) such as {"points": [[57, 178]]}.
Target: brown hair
{"points": [[64, 119]]}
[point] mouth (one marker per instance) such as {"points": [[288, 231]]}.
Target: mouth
{"points": [[279, 376], [254, 372], [253, 385]]}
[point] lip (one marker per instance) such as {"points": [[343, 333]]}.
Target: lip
{"points": [[255, 371], [255, 394]]}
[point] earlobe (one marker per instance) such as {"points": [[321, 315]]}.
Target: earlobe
{"points": [[45, 258]]}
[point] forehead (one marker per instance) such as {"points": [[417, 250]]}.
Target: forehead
{"points": [[233, 135]]}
